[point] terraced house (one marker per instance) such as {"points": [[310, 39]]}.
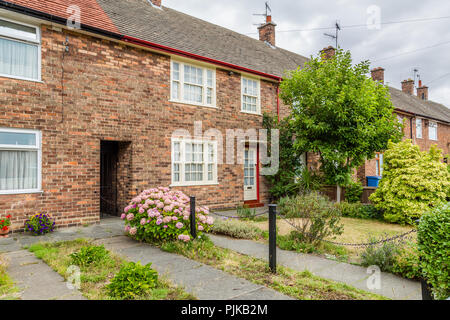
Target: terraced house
{"points": [[88, 110]]}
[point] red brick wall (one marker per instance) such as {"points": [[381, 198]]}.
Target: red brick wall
{"points": [[119, 93]]}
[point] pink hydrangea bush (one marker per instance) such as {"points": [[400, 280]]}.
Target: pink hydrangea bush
{"points": [[163, 214]]}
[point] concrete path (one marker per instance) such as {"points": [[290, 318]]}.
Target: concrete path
{"points": [[391, 286], [202, 281], [38, 281]]}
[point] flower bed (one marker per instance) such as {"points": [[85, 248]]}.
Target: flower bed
{"points": [[159, 214]]}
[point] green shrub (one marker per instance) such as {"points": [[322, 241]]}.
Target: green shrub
{"points": [[245, 212], [236, 229], [359, 210], [413, 181], [434, 247], [383, 256], [133, 281], [313, 215], [89, 255], [406, 263], [353, 192]]}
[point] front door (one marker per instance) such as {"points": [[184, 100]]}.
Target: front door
{"points": [[108, 178], [250, 190]]}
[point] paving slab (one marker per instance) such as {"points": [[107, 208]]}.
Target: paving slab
{"points": [[392, 286], [36, 280], [202, 281]]}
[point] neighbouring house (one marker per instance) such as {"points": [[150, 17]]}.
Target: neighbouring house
{"points": [[425, 122], [88, 110], [93, 90]]}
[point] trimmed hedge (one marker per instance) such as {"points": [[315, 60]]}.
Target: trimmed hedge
{"points": [[434, 248]]}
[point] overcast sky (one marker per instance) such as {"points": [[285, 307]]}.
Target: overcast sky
{"points": [[397, 47]]}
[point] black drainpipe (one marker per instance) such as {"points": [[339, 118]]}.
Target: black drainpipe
{"points": [[410, 127]]}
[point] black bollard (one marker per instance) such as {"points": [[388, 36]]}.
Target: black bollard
{"points": [[192, 219], [273, 237]]}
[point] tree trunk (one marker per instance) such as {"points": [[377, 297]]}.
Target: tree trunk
{"points": [[338, 193]]}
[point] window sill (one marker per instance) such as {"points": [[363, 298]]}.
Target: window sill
{"points": [[11, 192], [193, 104], [20, 78], [253, 113], [201, 184]]}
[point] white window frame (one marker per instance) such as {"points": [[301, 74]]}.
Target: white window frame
{"points": [[37, 41], [379, 164], [432, 124], [182, 162], [205, 86], [419, 136], [258, 98], [37, 147]]}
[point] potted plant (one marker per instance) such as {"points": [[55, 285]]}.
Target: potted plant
{"points": [[4, 226]]}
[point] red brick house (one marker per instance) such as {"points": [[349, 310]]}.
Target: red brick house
{"points": [[425, 122], [87, 114], [88, 110]]}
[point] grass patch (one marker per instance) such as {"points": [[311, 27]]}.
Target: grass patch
{"points": [[95, 276], [237, 229], [299, 285], [8, 291], [355, 231]]}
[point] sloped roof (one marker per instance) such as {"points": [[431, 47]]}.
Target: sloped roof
{"points": [[168, 27], [413, 104]]}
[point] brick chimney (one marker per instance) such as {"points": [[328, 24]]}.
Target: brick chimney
{"points": [[267, 31], [378, 74], [328, 52], [408, 86], [156, 3], [422, 91]]}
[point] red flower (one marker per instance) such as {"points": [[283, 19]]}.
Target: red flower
{"points": [[8, 216], [1, 221], [5, 228]]}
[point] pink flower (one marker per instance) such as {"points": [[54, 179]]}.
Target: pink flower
{"points": [[141, 210], [130, 217], [133, 231], [143, 221], [174, 218], [185, 218], [210, 220], [200, 228], [123, 216], [160, 205], [127, 228], [179, 225], [158, 222], [166, 226]]}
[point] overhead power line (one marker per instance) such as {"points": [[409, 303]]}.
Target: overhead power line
{"points": [[413, 51], [361, 25], [439, 78]]}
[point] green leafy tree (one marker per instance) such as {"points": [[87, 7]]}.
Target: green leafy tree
{"points": [[339, 113], [413, 182]]}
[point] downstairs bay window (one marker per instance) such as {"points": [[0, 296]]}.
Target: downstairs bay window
{"points": [[20, 161], [194, 162]]}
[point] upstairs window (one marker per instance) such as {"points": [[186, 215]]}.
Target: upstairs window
{"points": [[251, 96], [419, 128], [432, 131], [20, 50], [192, 84], [20, 153]]}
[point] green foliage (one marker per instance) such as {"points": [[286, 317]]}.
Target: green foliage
{"points": [[434, 246], [133, 281], [353, 192], [283, 183], [383, 256], [313, 215], [245, 212], [413, 181], [236, 229], [359, 210], [407, 263], [89, 255], [40, 224], [340, 113]]}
